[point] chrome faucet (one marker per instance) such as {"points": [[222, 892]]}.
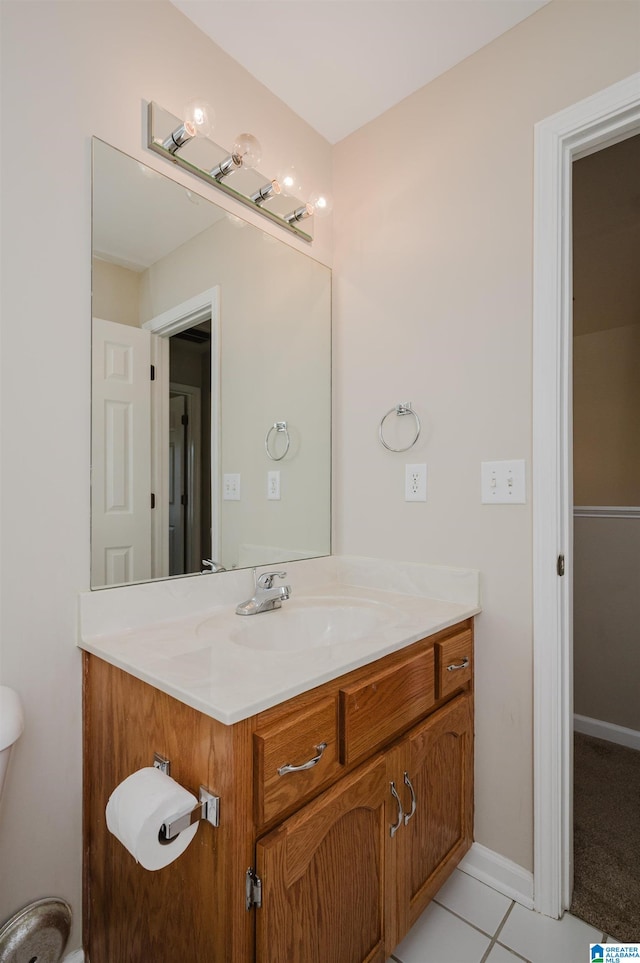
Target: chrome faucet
{"points": [[210, 565], [265, 597]]}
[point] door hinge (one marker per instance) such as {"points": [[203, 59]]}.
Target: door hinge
{"points": [[560, 566], [253, 889], [153, 372], [185, 419]]}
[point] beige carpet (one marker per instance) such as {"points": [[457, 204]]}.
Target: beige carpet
{"points": [[606, 814]]}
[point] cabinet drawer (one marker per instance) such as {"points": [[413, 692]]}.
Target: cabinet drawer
{"points": [[454, 659], [384, 704], [282, 749]]}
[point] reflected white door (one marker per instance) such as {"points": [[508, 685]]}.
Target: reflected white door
{"points": [[177, 493], [120, 454]]}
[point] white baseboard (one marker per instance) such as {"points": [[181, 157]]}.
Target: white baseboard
{"points": [[499, 873], [77, 956], [607, 730]]}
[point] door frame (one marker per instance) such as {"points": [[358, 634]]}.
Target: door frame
{"points": [[179, 318], [191, 396], [590, 125]]}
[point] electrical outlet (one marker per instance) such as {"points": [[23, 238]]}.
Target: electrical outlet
{"points": [[231, 487], [273, 485], [415, 483]]}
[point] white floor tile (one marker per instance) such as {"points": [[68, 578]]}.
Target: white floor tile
{"points": [[499, 954], [440, 937], [543, 940], [474, 901]]}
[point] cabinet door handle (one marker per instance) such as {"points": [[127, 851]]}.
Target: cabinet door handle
{"points": [[320, 748], [461, 665], [408, 783], [394, 792]]}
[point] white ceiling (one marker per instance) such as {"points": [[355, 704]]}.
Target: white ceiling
{"points": [[340, 63]]}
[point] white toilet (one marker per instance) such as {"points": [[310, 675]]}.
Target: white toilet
{"points": [[11, 726]]}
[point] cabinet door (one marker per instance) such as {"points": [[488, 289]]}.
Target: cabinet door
{"points": [[439, 764], [323, 876]]}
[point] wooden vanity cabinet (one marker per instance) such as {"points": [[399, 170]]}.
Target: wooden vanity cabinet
{"points": [[337, 885]]}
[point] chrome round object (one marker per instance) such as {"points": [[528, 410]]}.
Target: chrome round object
{"points": [[36, 934]]}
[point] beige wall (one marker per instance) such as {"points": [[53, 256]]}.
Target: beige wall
{"points": [[606, 660], [115, 293], [275, 348], [433, 304], [606, 414], [79, 69], [606, 400]]}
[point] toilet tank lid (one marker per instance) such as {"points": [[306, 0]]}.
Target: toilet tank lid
{"points": [[11, 717]]}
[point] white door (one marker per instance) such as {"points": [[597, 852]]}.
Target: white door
{"points": [[177, 491], [120, 454]]}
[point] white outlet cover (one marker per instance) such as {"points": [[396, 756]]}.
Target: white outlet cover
{"points": [[415, 483], [273, 485], [503, 482]]}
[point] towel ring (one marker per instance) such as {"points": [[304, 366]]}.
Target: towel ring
{"points": [[277, 426], [401, 409]]}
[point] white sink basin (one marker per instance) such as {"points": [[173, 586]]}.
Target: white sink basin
{"points": [[311, 623]]}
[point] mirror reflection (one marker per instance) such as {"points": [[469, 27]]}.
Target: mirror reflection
{"points": [[211, 385]]}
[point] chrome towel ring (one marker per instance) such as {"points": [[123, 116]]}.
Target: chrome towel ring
{"points": [[404, 408], [277, 426]]}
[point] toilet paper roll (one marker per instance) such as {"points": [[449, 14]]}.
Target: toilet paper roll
{"points": [[137, 809]]}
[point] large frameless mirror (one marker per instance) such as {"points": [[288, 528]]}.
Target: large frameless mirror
{"points": [[211, 385]]}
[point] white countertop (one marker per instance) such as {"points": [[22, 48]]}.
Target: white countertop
{"points": [[183, 636]]}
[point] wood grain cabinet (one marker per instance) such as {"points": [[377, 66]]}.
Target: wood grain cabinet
{"points": [[350, 804]]}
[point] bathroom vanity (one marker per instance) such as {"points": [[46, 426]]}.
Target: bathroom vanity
{"points": [[344, 806]]}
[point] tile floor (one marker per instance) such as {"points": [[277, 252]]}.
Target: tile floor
{"points": [[468, 922]]}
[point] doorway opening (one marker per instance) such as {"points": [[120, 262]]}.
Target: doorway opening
{"points": [[600, 121], [606, 538], [185, 354], [189, 449]]}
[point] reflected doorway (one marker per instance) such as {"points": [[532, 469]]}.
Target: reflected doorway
{"points": [[189, 449]]}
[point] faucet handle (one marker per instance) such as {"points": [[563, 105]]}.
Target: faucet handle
{"points": [[266, 579]]}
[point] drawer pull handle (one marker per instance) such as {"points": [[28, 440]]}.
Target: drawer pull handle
{"points": [[461, 665], [394, 792], [408, 783], [283, 770]]}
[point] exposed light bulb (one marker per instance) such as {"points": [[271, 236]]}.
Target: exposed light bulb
{"points": [[289, 181], [247, 151], [198, 118], [197, 122], [322, 203]]}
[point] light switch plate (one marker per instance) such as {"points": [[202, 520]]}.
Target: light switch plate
{"points": [[231, 487], [503, 482]]}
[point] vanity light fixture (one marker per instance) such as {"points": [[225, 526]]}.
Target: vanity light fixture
{"points": [[246, 153], [271, 189], [318, 203], [300, 213], [197, 121], [280, 199]]}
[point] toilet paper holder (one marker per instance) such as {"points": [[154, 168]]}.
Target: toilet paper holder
{"points": [[208, 808]]}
